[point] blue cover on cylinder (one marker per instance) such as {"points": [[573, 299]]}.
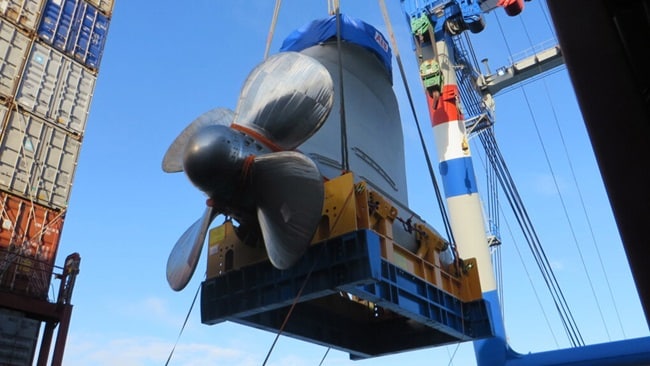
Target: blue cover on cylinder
{"points": [[352, 30], [76, 28]]}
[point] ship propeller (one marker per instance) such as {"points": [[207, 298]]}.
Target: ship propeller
{"points": [[243, 161]]}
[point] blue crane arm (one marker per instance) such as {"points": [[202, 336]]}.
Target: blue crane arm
{"points": [[455, 15]]}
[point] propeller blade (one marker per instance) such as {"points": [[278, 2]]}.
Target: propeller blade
{"points": [[286, 99], [173, 160], [185, 255], [289, 191]]}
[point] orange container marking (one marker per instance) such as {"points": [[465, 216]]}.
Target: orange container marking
{"points": [[30, 229]]}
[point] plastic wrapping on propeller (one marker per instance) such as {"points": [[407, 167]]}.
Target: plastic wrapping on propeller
{"points": [[286, 99], [289, 193], [185, 255]]}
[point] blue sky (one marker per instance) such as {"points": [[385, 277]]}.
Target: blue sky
{"points": [[165, 64]]}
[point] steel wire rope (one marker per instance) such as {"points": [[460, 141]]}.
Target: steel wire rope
{"points": [[546, 18], [451, 363], [527, 231], [496, 215], [453, 355], [498, 274], [472, 53], [566, 214], [274, 20], [540, 253], [530, 234], [584, 209], [436, 187], [535, 252], [493, 225], [532, 285], [569, 321], [557, 187], [302, 287], [499, 212], [171, 353], [530, 280], [582, 202], [345, 162], [495, 251], [293, 305], [324, 356]]}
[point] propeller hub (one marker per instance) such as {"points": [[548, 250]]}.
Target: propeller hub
{"points": [[214, 161]]}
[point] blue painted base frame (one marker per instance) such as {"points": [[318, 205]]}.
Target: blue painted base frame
{"points": [[401, 312]]}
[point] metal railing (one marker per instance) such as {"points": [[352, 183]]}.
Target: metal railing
{"points": [[24, 274]]}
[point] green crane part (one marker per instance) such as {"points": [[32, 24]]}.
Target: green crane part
{"points": [[420, 26], [431, 74]]}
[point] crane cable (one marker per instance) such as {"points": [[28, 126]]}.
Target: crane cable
{"points": [[493, 228], [294, 303], [487, 138], [274, 20], [566, 214], [436, 187], [499, 211], [546, 18], [512, 195], [575, 240], [345, 163], [324, 356], [171, 353], [584, 209], [344, 157]]}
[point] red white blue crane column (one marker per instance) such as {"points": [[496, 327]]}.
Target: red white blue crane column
{"points": [[459, 182], [457, 171]]}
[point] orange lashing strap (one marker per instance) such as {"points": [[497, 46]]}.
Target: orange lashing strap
{"points": [[257, 136], [246, 168]]}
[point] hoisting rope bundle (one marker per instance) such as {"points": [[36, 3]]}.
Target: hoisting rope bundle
{"points": [[505, 179], [345, 163], [441, 203]]}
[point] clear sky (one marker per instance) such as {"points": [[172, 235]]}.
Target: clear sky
{"points": [[167, 62]]}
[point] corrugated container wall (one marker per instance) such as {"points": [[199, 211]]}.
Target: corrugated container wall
{"points": [[18, 336], [56, 88], [29, 239], [23, 13], [75, 28], [38, 160], [50, 52], [14, 47]]}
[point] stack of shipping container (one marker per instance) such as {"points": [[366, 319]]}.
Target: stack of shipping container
{"points": [[50, 54]]}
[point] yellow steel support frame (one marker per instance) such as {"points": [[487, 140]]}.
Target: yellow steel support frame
{"points": [[349, 207]]}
